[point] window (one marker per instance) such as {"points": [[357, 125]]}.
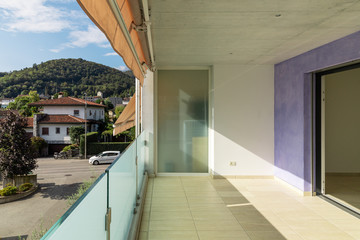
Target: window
{"points": [[67, 131], [90, 113], [57, 130], [45, 131], [76, 112]]}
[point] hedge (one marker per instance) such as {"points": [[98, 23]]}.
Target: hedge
{"points": [[98, 147], [90, 137]]}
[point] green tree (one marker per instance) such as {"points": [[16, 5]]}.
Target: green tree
{"points": [[108, 104], [24, 92], [21, 104], [118, 110], [128, 135], [67, 74], [75, 133], [34, 96], [38, 143], [17, 156]]}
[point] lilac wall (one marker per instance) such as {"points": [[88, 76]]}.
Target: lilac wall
{"points": [[293, 107]]}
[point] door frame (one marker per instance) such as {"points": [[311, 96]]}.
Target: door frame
{"points": [[210, 118], [319, 124], [318, 88]]}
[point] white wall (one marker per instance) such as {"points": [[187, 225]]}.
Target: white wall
{"points": [[148, 117], [69, 110], [96, 113], [64, 110], [243, 128], [62, 137], [342, 122]]}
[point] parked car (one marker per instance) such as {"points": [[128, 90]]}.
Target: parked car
{"points": [[104, 157]]}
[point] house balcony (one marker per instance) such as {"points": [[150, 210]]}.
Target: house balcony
{"points": [[125, 204], [205, 208]]}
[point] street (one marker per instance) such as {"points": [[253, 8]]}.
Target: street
{"points": [[57, 180]]}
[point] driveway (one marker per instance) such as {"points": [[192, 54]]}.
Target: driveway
{"points": [[58, 179]]}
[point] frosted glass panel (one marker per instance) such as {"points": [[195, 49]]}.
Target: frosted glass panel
{"points": [[86, 218], [141, 154], [122, 192], [183, 121], [86, 221]]}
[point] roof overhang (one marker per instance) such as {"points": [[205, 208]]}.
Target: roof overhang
{"points": [[197, 32]]}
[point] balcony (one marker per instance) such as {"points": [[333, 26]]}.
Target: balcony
{"points": [[205, 208], [197, 208]]}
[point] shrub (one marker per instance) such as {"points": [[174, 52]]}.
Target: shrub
{"points": [[107, 132], [26, 186], [9, 190], [90, 137], [75, 133], [70, 147], [38, 143]]}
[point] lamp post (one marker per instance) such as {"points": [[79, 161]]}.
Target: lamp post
{"points": [[85, 125]]}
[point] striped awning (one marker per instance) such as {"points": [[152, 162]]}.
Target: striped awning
{"points": [[126, 119], [118, 19]]}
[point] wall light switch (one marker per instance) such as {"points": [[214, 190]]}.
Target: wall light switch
{"points": [[232, 163]]}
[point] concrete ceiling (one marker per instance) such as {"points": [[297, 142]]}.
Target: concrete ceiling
{"points": [[206, 32]]}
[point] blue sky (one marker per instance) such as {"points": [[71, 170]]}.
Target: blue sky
{"points": [[35, 31]]}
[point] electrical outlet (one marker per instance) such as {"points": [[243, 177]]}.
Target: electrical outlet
{"points": [[232, 163]]}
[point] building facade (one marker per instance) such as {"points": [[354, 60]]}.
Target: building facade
{"points": [[58, 115]]}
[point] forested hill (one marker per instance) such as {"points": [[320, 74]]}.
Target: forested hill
{"points": [[75, 76]]}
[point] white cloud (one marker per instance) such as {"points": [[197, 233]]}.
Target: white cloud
{"points": [[31, 16], [39, 16], [56, 50], [61, 1], [90, 36], [123, 68], [111, 54], [84, 38]]}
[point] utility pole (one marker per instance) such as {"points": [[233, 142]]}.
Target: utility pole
{"points": [[85, 125]]}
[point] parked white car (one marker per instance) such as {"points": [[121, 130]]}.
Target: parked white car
{"points": [[104, 157]]}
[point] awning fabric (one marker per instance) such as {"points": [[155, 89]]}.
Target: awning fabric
{"points": [[126, 119], [100, 12]]}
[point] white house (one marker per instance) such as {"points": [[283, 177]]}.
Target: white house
{"points": [[4, 103], [60, 114]]}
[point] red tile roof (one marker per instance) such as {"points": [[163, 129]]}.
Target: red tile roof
{"points": [[62, 119], [65, 101], [30, 122]]}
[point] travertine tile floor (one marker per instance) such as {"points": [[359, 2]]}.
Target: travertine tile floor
{"points": [[203, 208], [344, 187]]}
